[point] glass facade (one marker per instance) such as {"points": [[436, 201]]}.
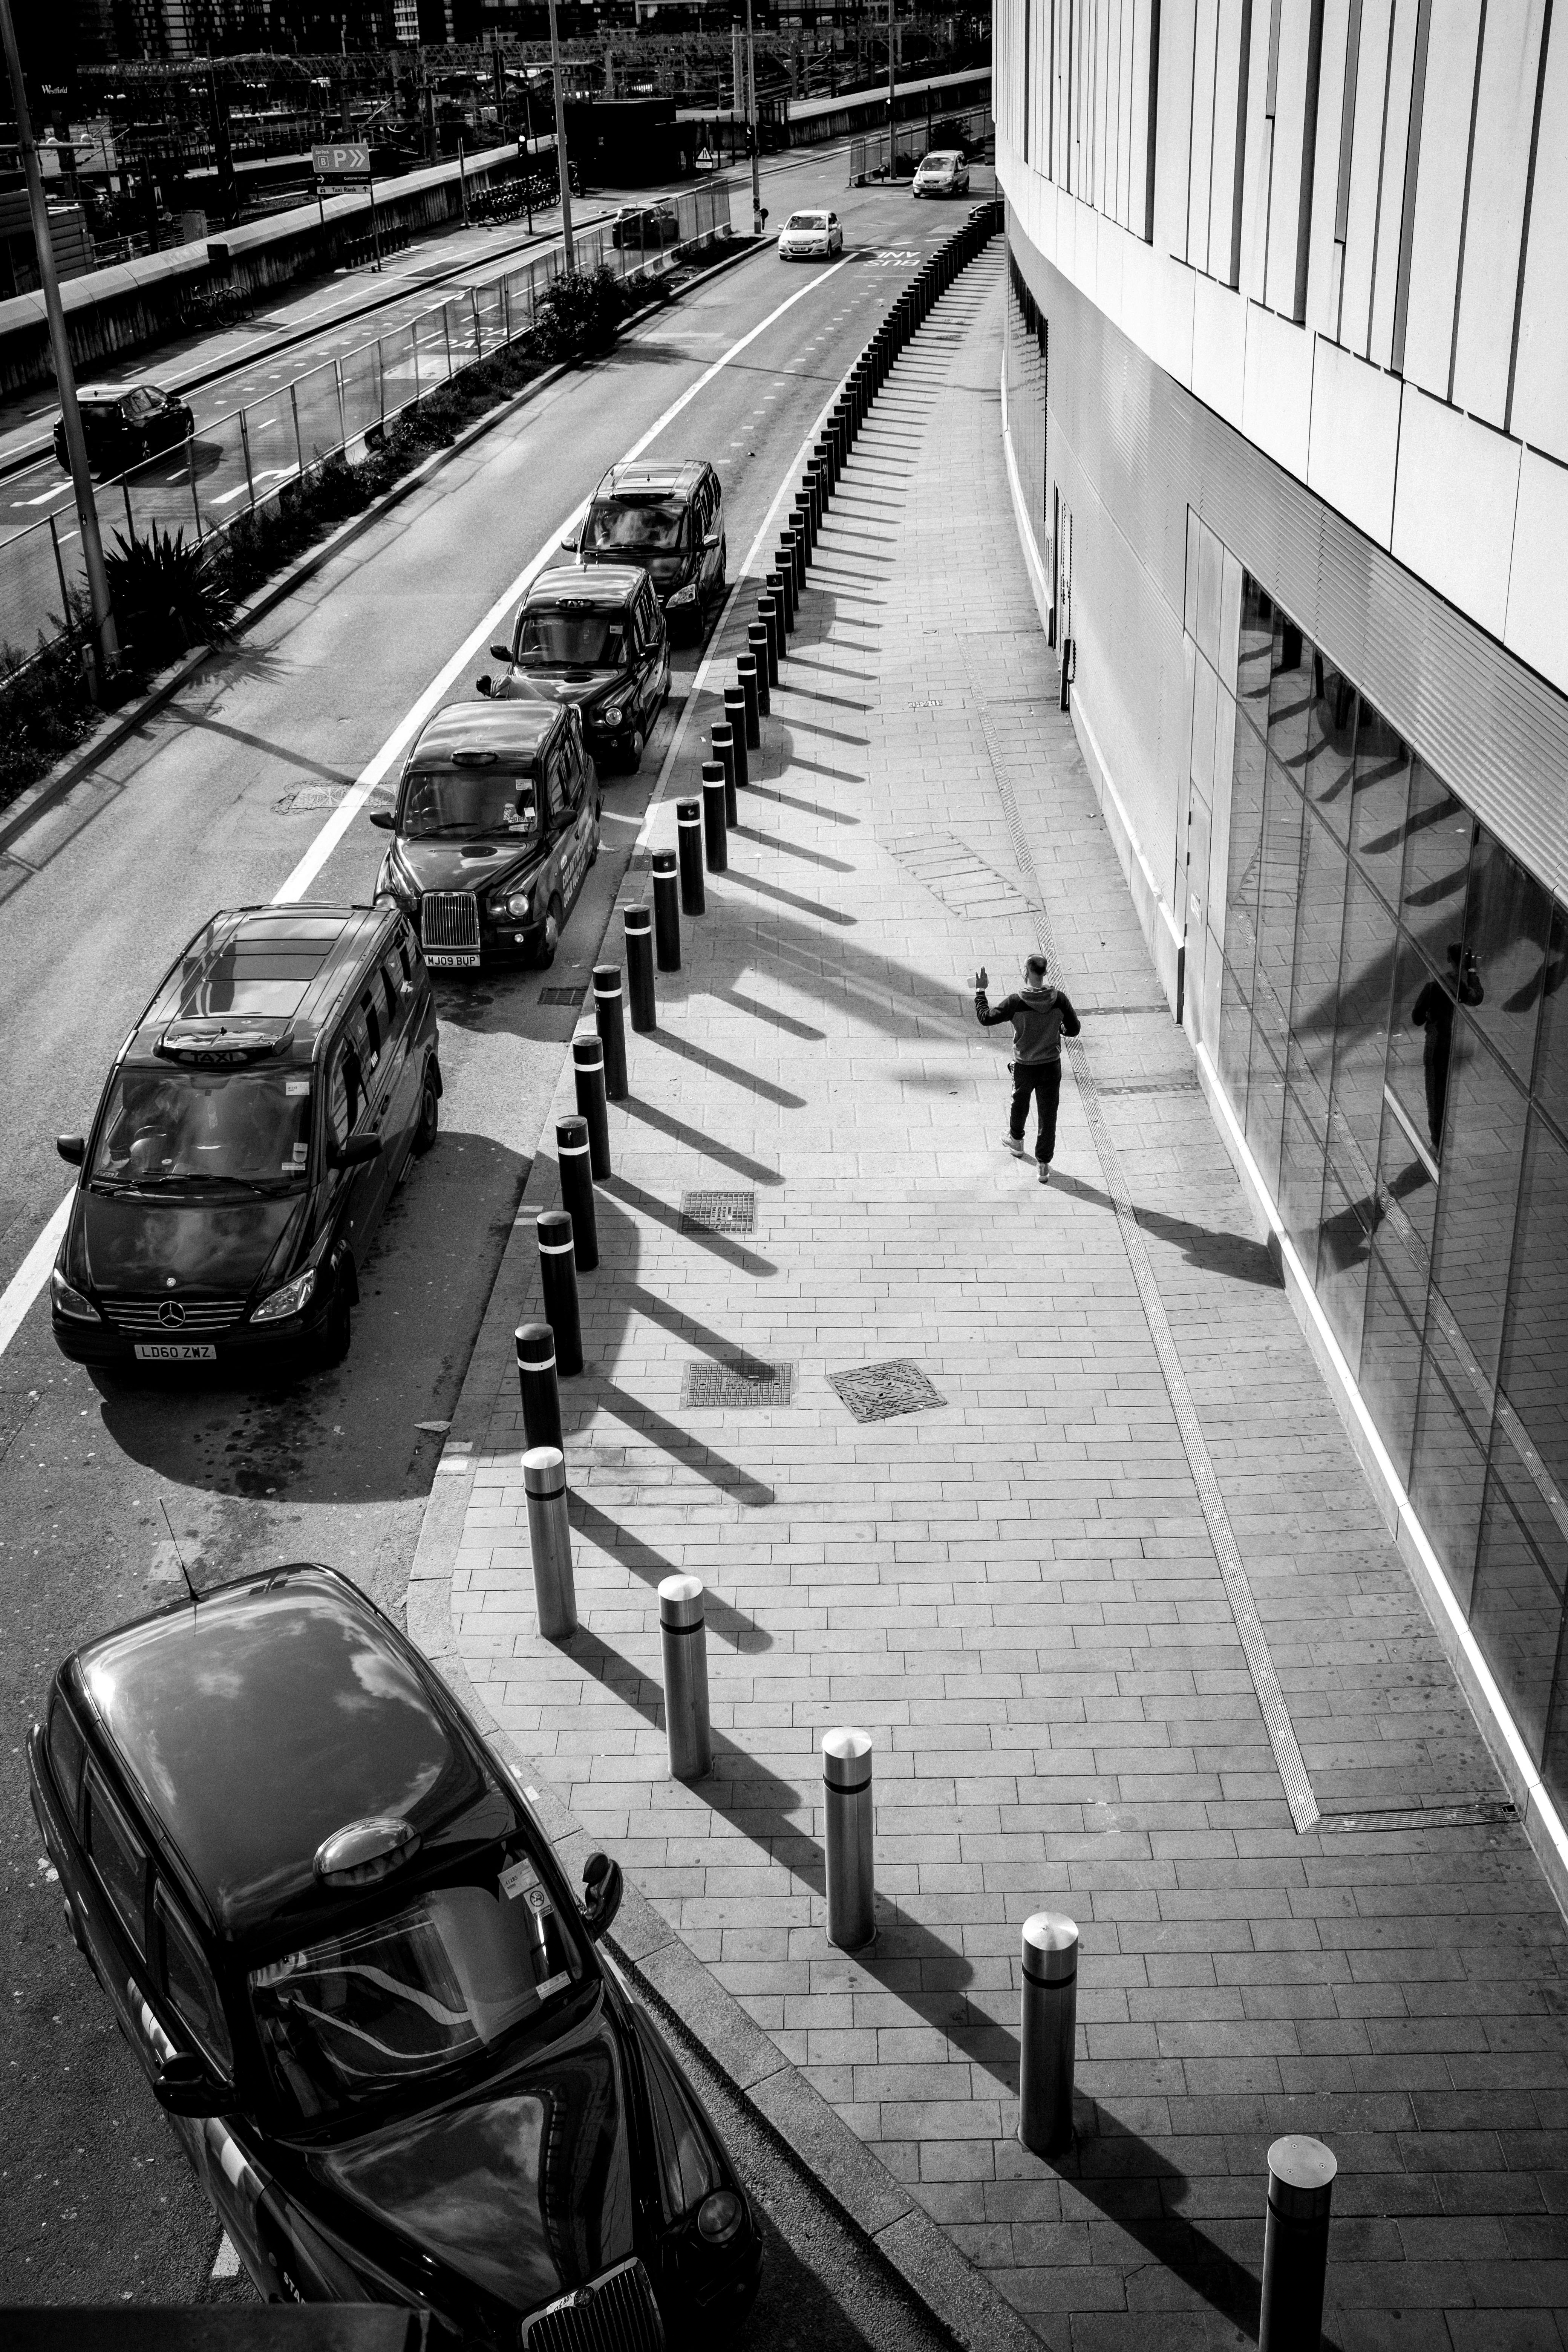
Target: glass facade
{"points": [[1395, 1035]]}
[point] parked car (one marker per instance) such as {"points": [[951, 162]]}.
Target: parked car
{"points": [[811, 236], [594, 637], [330, 1924], [252, 1128], [669, 520], [496, 825], [943, 173], [656, 224], [123, 423]]}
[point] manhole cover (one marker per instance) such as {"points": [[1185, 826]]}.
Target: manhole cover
{"points": [[309, 800], [881, 1392], [742, 1381], [562, 995], [718, 1213]]}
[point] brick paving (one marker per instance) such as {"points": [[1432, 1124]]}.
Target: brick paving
{"points": [[1015, 1590]]}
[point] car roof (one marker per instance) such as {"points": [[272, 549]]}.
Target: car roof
{"points": [[666, 481], [943, 155], [100, 391], [263, 978], [605, 586], [506, 730], [281, 1708]]}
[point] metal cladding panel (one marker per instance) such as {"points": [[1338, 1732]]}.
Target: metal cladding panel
{"points": [[1144, 448]]}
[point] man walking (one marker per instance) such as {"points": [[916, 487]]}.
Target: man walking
{"points": [[1041, 1017]]}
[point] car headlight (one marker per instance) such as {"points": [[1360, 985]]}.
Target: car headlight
{"points": [[292, 1299], [685, 596], [517, 906], [612, 713], [70, 1302], [719, 2216]]}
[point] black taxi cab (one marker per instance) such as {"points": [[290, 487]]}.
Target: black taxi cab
{"points": [[496, 825], [597, 639], [328, 1920], [252, 1131], [670, 521]]}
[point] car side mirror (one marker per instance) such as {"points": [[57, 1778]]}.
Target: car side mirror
{"points": [[357, 1152], [572, 542], [484, 684], [182, 2086], [604, 1887], [501, 654], [711, 539], [384, 820], [71, 1148]]}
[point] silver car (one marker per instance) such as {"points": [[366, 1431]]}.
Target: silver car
{"points": [[811, 236], [943, 172]]}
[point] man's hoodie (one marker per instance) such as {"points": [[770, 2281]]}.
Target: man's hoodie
{"points": [[1041, 1017]]}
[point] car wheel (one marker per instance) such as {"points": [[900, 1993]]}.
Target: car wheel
{"points": [[549, 944], [429, 1125], [634, 756], [336, 1332]]}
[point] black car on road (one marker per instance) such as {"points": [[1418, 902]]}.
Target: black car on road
{"points": [[331, 1927], [597, 639], [124, 423], [497, 822], [670, 521], [251, 1133]]}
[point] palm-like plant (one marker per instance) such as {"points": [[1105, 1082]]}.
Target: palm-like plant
{"points": [[165, 597]]}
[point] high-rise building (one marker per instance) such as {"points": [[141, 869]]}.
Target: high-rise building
{"points": [[1287, 399]]}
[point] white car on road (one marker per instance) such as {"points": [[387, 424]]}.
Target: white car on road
{"points": [[810, 236], [943, 172]]}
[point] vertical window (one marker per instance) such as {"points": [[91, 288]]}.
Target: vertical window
{"points": [[119, 1860], [189, 1987], [66, 1756]]}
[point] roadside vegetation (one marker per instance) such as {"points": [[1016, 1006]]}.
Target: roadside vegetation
{"points": [[171, 596]]}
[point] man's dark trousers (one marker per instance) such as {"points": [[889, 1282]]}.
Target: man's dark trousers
{"points": [[1044, 1081]]}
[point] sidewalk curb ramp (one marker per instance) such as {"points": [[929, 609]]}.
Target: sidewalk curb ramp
{"points": [[39, 799], [880, 2212]]}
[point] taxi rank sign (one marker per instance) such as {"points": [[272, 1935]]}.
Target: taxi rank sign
{"points": [[347, 161]]}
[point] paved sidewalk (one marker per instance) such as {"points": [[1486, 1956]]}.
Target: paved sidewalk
{"points": [[1017, 1589]]}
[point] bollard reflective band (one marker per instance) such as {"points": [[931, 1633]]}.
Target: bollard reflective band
{"points": [[679, 1631], [841, 1788], [638, 919], [607, 988], [567, 1151], [556, 1249], [1051, 1984], [692, 819], [536, 1363]]}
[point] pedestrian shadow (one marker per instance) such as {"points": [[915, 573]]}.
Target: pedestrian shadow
{"points": [[641, 1559], [695, 1141], [1236, 1255]]}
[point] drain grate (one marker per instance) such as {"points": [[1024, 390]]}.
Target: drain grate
{"points": [[562, 995], [741, 1381], [881, 1392], [718, 1213]]}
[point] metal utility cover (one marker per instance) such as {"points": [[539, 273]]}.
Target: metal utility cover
{"points": [[718, 1213], [563, 996], [881, 1392], [740, 1383]]}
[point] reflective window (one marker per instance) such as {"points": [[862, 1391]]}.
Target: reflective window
{"points": [[1552, 1044], [1508, 926], [1344, 1250], [1331, 747], [1448, 1467], [1361, 1040], [1300, 1193], [1319, 924], [1380, 795], [1437, 837], [1278, 890], [1245, 856], [1391, 1344], [1483, 1147]]}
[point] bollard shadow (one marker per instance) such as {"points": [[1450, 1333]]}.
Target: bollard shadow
{"points": [[722, 1069], [683, 1447], [682, 1326], [771, 1013], [792, 899], [1234, 1255], [820, 768], [693, 1138], [719, 1245], [804, 661], [806, 808], [792, 848], [639, 1559]]}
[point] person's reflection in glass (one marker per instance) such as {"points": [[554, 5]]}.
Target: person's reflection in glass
{"points": [[1434, 1011]]}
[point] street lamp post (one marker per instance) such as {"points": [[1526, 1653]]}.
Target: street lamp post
{"points": [[892, 133], [104, 659], [752, 125], [567, 245]]}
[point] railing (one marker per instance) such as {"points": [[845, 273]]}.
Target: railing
{"points": [[868, 156], [234, 464]]}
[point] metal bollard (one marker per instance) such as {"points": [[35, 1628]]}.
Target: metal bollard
{"points": [[715, 830], [810, 501], [723, 739], [735, 719], [558, 1279], [851, 1867], [612, 1032], [684, 1641], [746, 672], [787, 562], [757, 644], [588, 1069], [796, 536], [1048, 2023], [666, 911], [800, 524], [549, 1541], [636, 922], [539, 1390], [1296, 2245], [574, 1159], [781, 588], [688, 836], [768, 615]]}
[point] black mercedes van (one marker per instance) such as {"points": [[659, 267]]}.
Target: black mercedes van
{"points": [[250, 1136]]}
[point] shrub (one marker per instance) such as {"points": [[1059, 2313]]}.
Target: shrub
{"points": [[45, 710], [578, 313], [166, 596]]}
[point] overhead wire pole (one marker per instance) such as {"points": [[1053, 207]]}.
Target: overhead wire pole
{"points": [[752, 125], [892, 134], [104, 660], [568, 248]]}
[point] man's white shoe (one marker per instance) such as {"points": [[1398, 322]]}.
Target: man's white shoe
{"points": [[1045, 1168], [1014, 1144]]}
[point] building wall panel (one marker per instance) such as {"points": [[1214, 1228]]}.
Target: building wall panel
{"points": [[1505, 113], [1354, 449], [1391, 193], [1537, 623], [1440, 192], [1366, 174], [1174, 125], [1454, 510], [1199, 182], [1541, 382]]}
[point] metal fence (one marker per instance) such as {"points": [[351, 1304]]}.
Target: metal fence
{"points": [[868, 156], [234, 463]]}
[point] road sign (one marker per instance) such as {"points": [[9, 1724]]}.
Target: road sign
{"points": [[706, 159], [351, 160]]}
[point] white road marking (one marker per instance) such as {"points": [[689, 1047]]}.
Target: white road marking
{"points": [[227, 2262], [34, 1271]]}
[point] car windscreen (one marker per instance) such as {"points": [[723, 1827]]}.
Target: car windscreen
{"points": [[434, 1984], [175, 1127], [806, 221], [466, 803], [571, 639], [643, 523]]}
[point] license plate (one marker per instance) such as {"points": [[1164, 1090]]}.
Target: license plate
{"points": [[452, 962], [175, 1351]]}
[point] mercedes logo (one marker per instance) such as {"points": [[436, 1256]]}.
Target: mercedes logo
{"points": [[171, 1314]]}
